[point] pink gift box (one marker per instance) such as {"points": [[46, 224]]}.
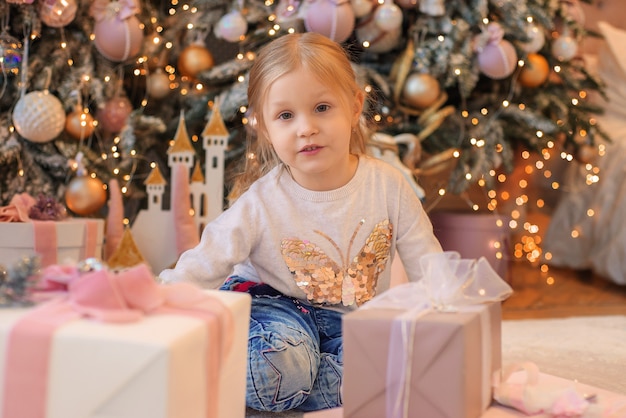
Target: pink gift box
{"points": [[474, 235], [447, 380]]}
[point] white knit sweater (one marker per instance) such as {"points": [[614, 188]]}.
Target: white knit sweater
{"points": [[333, 248]]}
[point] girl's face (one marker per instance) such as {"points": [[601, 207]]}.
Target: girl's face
{"points": [[310, 127]]}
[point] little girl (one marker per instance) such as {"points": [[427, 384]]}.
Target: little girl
{"points": [[314, 225]]}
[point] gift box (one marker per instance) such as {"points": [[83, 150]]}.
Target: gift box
{"points": [[426, 349], [63, 241], [153, 367], [449, 355], [474, 235]]}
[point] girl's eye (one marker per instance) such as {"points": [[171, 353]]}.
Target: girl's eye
{"points": [[284, 116], [323, 108]]}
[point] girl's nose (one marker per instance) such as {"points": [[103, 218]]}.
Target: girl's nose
{"points": [[306, 127]]}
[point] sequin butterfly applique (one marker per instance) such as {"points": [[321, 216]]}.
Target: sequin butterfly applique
{"points": [[325, 281]]}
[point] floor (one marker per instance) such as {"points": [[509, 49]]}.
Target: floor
{"points": [[559, 292]]}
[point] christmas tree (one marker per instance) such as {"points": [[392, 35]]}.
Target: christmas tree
{"points": [[93, 90]]}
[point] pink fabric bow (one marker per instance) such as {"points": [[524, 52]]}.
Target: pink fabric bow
{"points": [[122, 9], [103, 296], [17, 209]]}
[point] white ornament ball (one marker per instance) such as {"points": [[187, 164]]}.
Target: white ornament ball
{"points": [[118, 39], [158, 84], [39, 116], [564, 48], [57, 13], [378, 41], [231, 27], [388, 17], [333, 19], [497, 60], [362, 7], [536, 37]]}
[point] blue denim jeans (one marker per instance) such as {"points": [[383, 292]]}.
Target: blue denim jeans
{"points": [[295, 352]]}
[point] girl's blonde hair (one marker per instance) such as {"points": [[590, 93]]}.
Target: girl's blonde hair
{"points": [[317, 53]]}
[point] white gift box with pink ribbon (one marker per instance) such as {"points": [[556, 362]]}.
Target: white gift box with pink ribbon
{"points": [[120, 345], [55, 241]]}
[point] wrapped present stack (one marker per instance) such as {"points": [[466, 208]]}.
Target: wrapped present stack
{"points": [[118, 344]]}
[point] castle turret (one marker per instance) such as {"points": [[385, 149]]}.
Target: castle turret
{"points": [[155, 187], [181, 151], [215, 137]]}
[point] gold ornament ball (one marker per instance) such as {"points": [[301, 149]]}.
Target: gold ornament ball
{"points": [[79, 125], [158, 84], [535, 71], [85, 195], [194, 59], [420, 90]]}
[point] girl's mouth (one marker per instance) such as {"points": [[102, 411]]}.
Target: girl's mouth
{"points": [[310, 148]]}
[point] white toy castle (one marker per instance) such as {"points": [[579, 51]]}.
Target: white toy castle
{"points": [[154, 229]]}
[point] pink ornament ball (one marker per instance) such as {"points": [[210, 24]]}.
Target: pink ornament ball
{"points": [[118, 39], [331, 18], [497, 60], [112, 117]]}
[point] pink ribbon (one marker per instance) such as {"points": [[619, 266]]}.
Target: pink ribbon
{"points": [[103, 296], [91, 238], [122, 10]]}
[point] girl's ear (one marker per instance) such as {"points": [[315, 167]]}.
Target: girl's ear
{"points": [[359, 99]]}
